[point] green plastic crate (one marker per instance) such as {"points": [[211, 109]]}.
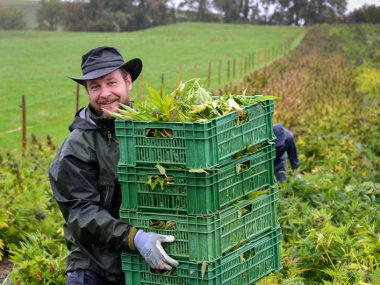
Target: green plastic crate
{"points": [[208, 237], [247, 265], [197, 193], [195, 145]]}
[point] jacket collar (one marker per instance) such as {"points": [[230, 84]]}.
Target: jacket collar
{"points": [[87, 119]]}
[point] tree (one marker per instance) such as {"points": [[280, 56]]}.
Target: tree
{"points": [[366, 14], [74, 16], [230, 8], [305, 12], [49, 14], [200, 8], [12, 19], [321, 11]]}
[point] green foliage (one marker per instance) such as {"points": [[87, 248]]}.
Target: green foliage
{"points": [[12, 19], [359, 42], [189, 102], [38, 259], [365, 14], [31, 226], [330, 225], [49, 14]]}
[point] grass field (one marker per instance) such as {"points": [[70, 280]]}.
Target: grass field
{"points": [[34, 64]]}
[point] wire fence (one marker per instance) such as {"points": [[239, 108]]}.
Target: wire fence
{"points": [[215, 76]]}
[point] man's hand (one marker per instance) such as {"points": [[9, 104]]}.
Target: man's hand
{"points": [[149, 246]]}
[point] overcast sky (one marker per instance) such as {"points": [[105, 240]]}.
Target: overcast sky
{"points": [[355, 4]]}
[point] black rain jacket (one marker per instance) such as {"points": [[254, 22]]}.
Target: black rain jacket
{"points": [[83, 177]]}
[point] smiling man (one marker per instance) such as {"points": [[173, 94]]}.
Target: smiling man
{"points": [[83, 177]]}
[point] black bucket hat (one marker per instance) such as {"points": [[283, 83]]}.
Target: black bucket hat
{"points": [[103, 60]]}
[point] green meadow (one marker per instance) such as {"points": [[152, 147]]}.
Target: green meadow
{"points": [[35, 65]]}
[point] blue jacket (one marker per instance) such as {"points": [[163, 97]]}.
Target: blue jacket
{"points": [[285, 147]]}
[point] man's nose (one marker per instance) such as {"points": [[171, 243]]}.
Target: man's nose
{"points": [[104, 91]]}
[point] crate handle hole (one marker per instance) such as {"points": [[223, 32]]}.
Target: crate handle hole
{"points": [[171, 272], [240, 167], [158, 133], [159, 180], [245, 256], [162, 225], [245, 210], [241, 119]]}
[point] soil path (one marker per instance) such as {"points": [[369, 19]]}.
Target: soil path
{"points": [[5, 268]]}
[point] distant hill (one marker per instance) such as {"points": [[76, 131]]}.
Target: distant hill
{"points": [[29, 7]]}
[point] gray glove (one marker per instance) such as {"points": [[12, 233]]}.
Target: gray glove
{"points": [[149, 246], [298, 176]]}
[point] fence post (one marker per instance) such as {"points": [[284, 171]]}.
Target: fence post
{"points": [[241, 65], [265, 57], [228, 70], [179, 74], [162, 85], [234, 69], [139, 92], [220, 73], [209, 75], [77, 98], [23, 106]]}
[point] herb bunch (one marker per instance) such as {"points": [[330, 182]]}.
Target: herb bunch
{"points": [[189, 102]]}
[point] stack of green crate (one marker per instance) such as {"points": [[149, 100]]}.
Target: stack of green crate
{"points": [[217, 196]]}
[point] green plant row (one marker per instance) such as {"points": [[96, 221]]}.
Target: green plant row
{"points": [[31, 232], [330, 225]]}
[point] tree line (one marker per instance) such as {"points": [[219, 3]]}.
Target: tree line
{"points": [[130, 15]]}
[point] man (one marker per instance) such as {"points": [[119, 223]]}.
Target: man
{"points": [[285, 147], [83, 177]]}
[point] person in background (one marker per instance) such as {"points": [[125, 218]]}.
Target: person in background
{"points": [[285, 148], [83, 178]]}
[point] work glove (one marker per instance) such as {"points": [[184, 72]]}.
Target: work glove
{"points": [[299, 178], [149, 246]]}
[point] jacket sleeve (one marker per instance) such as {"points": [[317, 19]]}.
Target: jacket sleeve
{"points": [[291, 150], [73, 177]]}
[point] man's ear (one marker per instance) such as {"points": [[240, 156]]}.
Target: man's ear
{"points": [[128, 80]]}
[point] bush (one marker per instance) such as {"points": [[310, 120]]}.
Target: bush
{"points": [[12, 19]]}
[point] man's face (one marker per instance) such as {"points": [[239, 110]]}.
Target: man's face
{"points": [[108, 91]]}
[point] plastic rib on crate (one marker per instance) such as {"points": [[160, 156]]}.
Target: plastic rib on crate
{"points": [[182, 191], [244, 266], [194, 145], [208, 237]]}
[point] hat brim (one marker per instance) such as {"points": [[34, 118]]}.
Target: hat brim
{"points": [[133, 67]]}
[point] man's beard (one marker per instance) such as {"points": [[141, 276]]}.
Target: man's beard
{"points": [[103, 114]]}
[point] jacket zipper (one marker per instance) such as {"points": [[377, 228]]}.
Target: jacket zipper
{"points": [[109, 137]]}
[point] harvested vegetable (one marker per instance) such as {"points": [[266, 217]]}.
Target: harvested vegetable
{"points": [[189, 102]]}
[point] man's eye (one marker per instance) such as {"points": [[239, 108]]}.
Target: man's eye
{"points": [[94, 87], [112, 83]]}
